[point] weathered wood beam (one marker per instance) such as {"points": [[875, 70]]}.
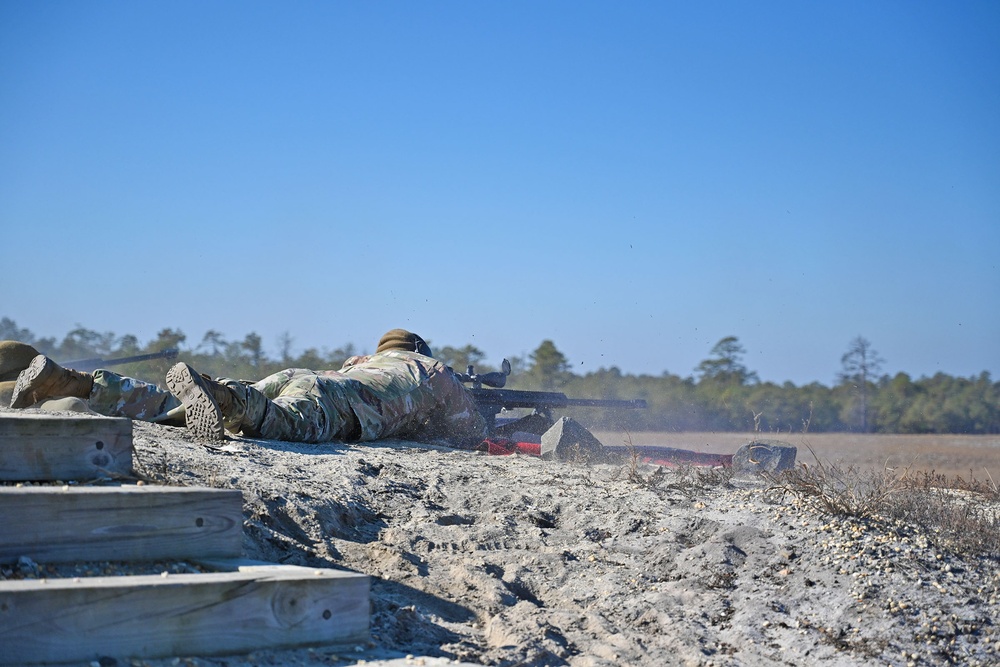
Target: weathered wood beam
{"points": [[38, 446], [73, 523], [62, 620]]}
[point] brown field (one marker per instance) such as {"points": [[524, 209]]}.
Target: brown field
{"points": [[946, 454]]}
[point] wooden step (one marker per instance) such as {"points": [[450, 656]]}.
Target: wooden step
{"points": [[119, 523], [37, 446], [256, 606], [237, 607]]}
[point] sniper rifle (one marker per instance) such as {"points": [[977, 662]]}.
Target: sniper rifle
{"points": [[565, 438], [492, 401], [92, 364]]}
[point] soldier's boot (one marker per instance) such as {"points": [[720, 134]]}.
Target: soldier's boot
{"points": [[207, 403], [44, 378]]}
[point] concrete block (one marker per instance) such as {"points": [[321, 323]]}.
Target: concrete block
{"points": [[567, 440]]}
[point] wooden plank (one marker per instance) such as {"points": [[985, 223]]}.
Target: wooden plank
{"points": [[39, 446], [246, 565], [62, 620], [69, 523]]}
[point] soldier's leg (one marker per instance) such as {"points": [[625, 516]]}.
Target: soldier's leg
{"points": [[288, 405], [115, 395], [305, 408]]}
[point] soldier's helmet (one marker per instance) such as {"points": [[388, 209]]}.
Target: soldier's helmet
{"points": [[14, 358], [401, 339]]}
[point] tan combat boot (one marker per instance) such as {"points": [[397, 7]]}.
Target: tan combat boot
{"points": [[206, 402], [44, 378]]}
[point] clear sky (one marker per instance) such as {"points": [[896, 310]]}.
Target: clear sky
{"points": [[634, 181]]}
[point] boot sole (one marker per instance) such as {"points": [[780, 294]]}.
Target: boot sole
{"points": [[201, 412], [24, 395]]}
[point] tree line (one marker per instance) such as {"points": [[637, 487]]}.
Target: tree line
{"points": [[721, 395]]}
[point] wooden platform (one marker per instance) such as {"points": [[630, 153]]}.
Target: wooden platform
{"points": [[236, 607], [38, 446]]}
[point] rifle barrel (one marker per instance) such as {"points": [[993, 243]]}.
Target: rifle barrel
{"points": [[521, 398], [93, 364]]}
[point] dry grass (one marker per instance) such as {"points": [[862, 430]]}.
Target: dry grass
{"points": [[962, 515], [839, 491], [947, 485]]}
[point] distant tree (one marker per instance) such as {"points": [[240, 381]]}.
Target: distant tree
{"points": [[724, 388], [316, 359], [459, 358], [860, 366], [549, 367], [154, 369], [946, 404], [254, 347], [891, 401], [726, 364], [777, 409], [821, 414], [213, 342], [518, 366], [10, 331], [128, 345], [82, 343], [335, 358], [310, 358], [167, 339], [285, 341], [984, 405]]}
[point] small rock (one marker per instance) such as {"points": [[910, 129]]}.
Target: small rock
{"points": [[27, 567]]}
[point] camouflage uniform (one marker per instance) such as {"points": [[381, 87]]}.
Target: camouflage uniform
{"points": [[389, 394], [115, 395], [394, 393]]}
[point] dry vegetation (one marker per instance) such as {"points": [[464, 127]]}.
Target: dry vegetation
{"points": [[969, 456], [960, 512], [864, 477]]}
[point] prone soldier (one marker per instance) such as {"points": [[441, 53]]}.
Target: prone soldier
{"points": [[400, 391]]}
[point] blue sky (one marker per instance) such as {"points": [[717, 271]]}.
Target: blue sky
{"points": [[634, 181]]}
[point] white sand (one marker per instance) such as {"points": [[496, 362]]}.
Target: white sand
{"points": [[518, 561]]}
